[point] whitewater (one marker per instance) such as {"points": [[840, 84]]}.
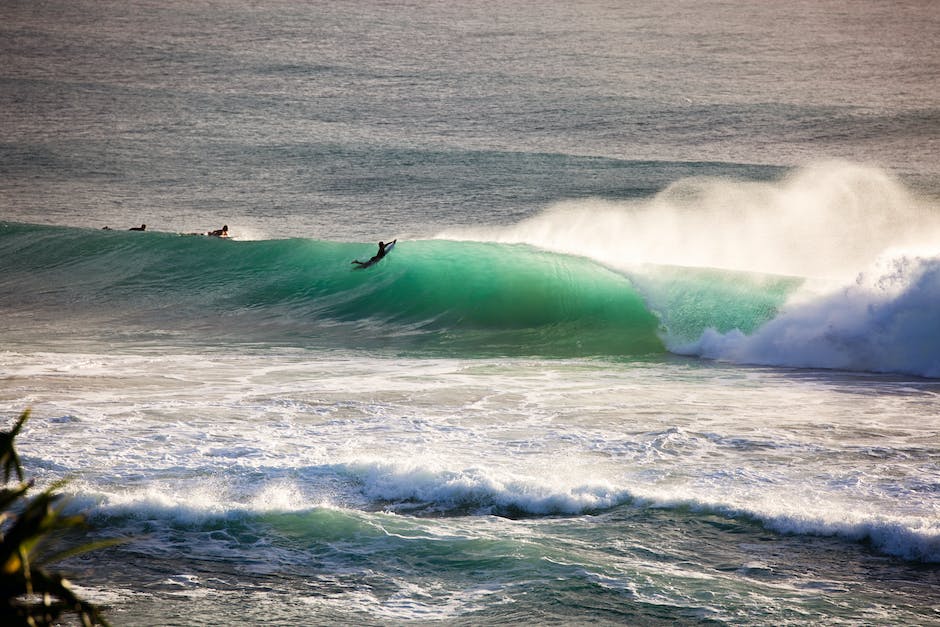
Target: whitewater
{"points": [[657, 343]]}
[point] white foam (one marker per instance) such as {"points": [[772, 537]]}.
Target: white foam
{"points": [[484, 489], [885, 321], [414, 603], [184, 439], [784, 509], [791, 511]]}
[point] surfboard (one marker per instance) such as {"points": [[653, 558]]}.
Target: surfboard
{"points": [[366, 264]]}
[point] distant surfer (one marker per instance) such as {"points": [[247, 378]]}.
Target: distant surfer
{"points": [[223, 232], [142, 227], [383, 250]]}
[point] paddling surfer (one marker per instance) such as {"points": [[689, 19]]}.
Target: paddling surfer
{"points": [[383, 250]]}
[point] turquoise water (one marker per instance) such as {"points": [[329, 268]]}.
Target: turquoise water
{"points": [[657, 343], [430, 296]]}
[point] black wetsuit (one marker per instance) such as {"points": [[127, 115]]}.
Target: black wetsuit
{"points": [[382, 252]]}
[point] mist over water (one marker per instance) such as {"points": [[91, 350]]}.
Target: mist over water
{"points": [[828, 221]]}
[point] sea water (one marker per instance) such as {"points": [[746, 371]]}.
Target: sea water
{"points": [[658, 342]]}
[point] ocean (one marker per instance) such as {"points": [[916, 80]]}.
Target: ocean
{"points": [[659, 342]]}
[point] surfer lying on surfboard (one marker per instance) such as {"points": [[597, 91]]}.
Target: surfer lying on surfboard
{"points": [[383, 250]]}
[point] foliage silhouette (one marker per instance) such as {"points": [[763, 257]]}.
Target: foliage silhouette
{"points": [[30, 594]]}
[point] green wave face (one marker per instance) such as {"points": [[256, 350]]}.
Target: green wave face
{"points": [[459, 298], [689, 300], [515, 295]]}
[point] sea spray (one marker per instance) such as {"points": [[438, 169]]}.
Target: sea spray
{"points": [[848, 248], [885, 321], [828, 220]]}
